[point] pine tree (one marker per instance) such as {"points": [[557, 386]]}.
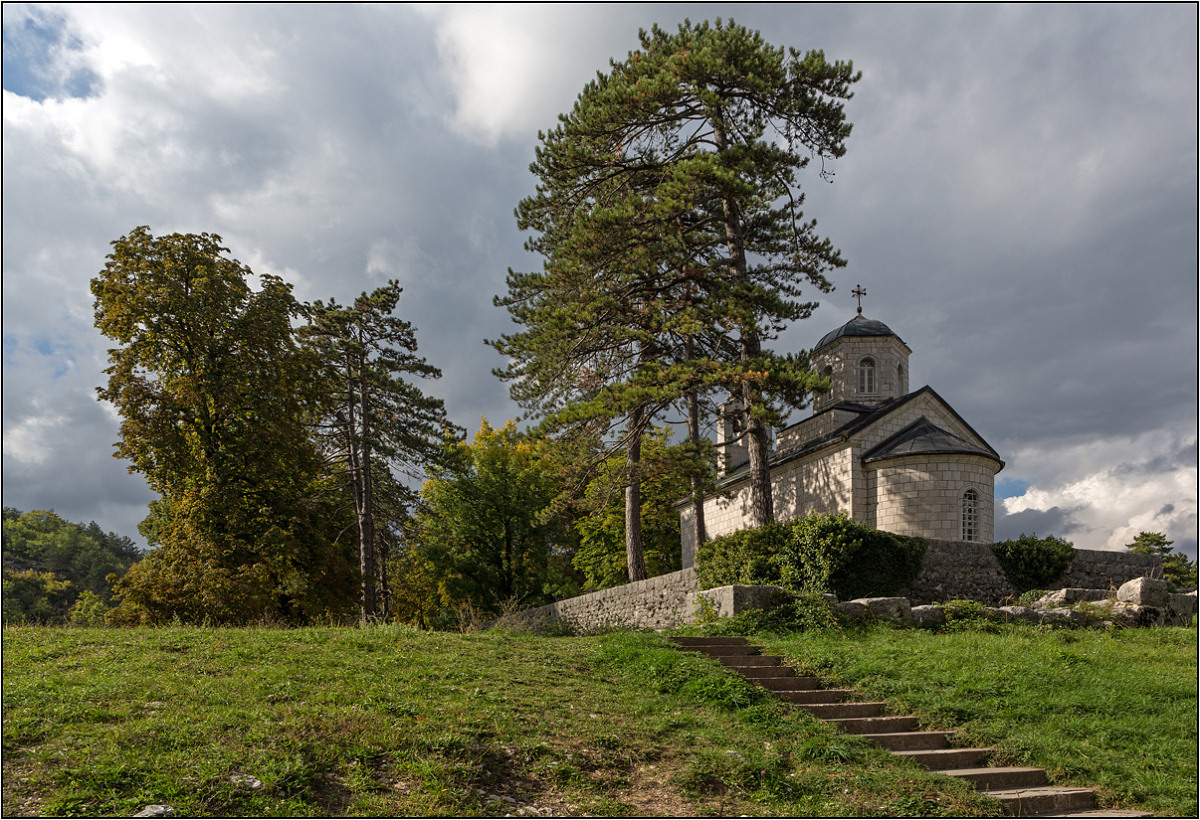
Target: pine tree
{"points": [[375, 417], [668, 214]]}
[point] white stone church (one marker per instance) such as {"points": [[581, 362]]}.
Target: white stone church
{"points": [[902, 462]]}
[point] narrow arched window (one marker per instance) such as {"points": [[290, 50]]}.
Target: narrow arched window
{"points": [[970, 516], [866, 376]]}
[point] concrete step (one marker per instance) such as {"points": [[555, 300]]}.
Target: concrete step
{"points": [[766, 672], [746, 661], [1044, 801], [986, 778], [814, 695], [910, 741], [725, 650], [785, 684], [694, 641], [874, 725], [843, 710], [942, 759]]}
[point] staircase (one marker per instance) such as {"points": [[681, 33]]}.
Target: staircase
{"points": [[1023, 791]]}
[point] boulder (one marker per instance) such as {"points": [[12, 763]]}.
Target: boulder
{"points": [[1182, 604], [1143, 591], [1070, 595], [1066, 617], [1018, 613], [927, 615], [156, 810], [855, 610], [896, 609]]}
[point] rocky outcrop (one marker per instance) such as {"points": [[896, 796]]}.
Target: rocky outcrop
{"points": [[1138, 602]]}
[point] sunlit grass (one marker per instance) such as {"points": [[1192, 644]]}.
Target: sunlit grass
{"points": [[390, 721]]}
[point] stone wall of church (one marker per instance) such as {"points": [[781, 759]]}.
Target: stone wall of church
{"points": [[820, 483], [923, 495]]}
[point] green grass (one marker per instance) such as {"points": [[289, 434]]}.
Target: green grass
{"points": [[1116, 710], [391, 721]]}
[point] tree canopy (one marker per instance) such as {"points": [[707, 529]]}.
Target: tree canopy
{"points": [[668, 215]]}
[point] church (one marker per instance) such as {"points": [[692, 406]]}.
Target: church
{"points": [[904, 462]]}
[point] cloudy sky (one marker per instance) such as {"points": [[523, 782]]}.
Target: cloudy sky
{"points": [[1019, 199]]}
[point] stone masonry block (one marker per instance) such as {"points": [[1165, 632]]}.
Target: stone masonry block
{"points": [[1145, 592]]}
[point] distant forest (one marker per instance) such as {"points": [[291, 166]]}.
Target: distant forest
{"points": [[56, 571]]}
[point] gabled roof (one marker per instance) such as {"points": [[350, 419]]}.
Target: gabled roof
{"points": [[868, 416], [924, 438]]}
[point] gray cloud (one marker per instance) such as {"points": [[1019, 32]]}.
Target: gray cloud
{"points": [[1018, 199]]}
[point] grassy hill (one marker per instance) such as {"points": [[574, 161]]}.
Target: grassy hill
{"points": [[392, 721]]}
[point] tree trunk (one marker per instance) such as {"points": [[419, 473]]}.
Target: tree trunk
{"points": [[762, 508], [635, 558], [365, 510], [699, 535]]}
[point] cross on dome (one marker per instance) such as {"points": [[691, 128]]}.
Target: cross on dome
{"points": [[859, 292]]}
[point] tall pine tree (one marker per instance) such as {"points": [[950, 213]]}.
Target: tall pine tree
{"points": [[376, 418]]}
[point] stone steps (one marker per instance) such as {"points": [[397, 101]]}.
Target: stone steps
{"points": [[1022, 790]]}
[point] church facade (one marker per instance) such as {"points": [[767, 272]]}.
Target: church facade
{"points": [[904, 462]]}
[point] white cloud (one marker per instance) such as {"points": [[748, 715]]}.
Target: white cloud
{"points": [[514, 68], [29, 440], [1109, 490]]}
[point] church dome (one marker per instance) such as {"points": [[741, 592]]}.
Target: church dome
{"points": [[858, 326]]}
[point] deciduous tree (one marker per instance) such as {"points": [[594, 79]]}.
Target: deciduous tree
{"points": [[215, 398]]}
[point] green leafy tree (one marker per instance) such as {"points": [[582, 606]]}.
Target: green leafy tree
{"points": [[481, 524], [215, 398], [86, 557], [376, 418], [31, 596], [1177, 568], [601, 553]]}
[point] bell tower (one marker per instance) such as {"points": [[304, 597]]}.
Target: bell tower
{"points": [[865, 362]]}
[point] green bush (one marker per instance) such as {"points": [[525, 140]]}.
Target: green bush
{"points": [[817, 553], [1030, 562], [743, 557], [834, 553]]}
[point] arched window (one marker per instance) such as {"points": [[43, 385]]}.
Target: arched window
{"points": [[970, 516], [866, 375]]}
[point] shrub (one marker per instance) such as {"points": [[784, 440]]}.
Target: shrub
{"points": [[818, 553], [1030, 562], [744, 557], [834, 553]]}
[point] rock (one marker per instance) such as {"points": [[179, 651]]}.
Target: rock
{"points": [[894, 608], [927, 615], [1067, 617], [855, 610], [1069, 595], [1018, 613], [1145, 592], [156, 810], [1182, 604], [246, 781]]}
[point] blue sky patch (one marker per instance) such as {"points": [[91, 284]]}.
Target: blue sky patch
{"points": [[32, 48], [1009, 487]]}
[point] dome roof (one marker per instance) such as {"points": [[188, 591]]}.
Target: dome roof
{"points": [[858, 326]]}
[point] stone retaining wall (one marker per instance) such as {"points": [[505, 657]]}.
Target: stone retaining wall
{"points": [[963, 570], [657, 603], [952, 570]]}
